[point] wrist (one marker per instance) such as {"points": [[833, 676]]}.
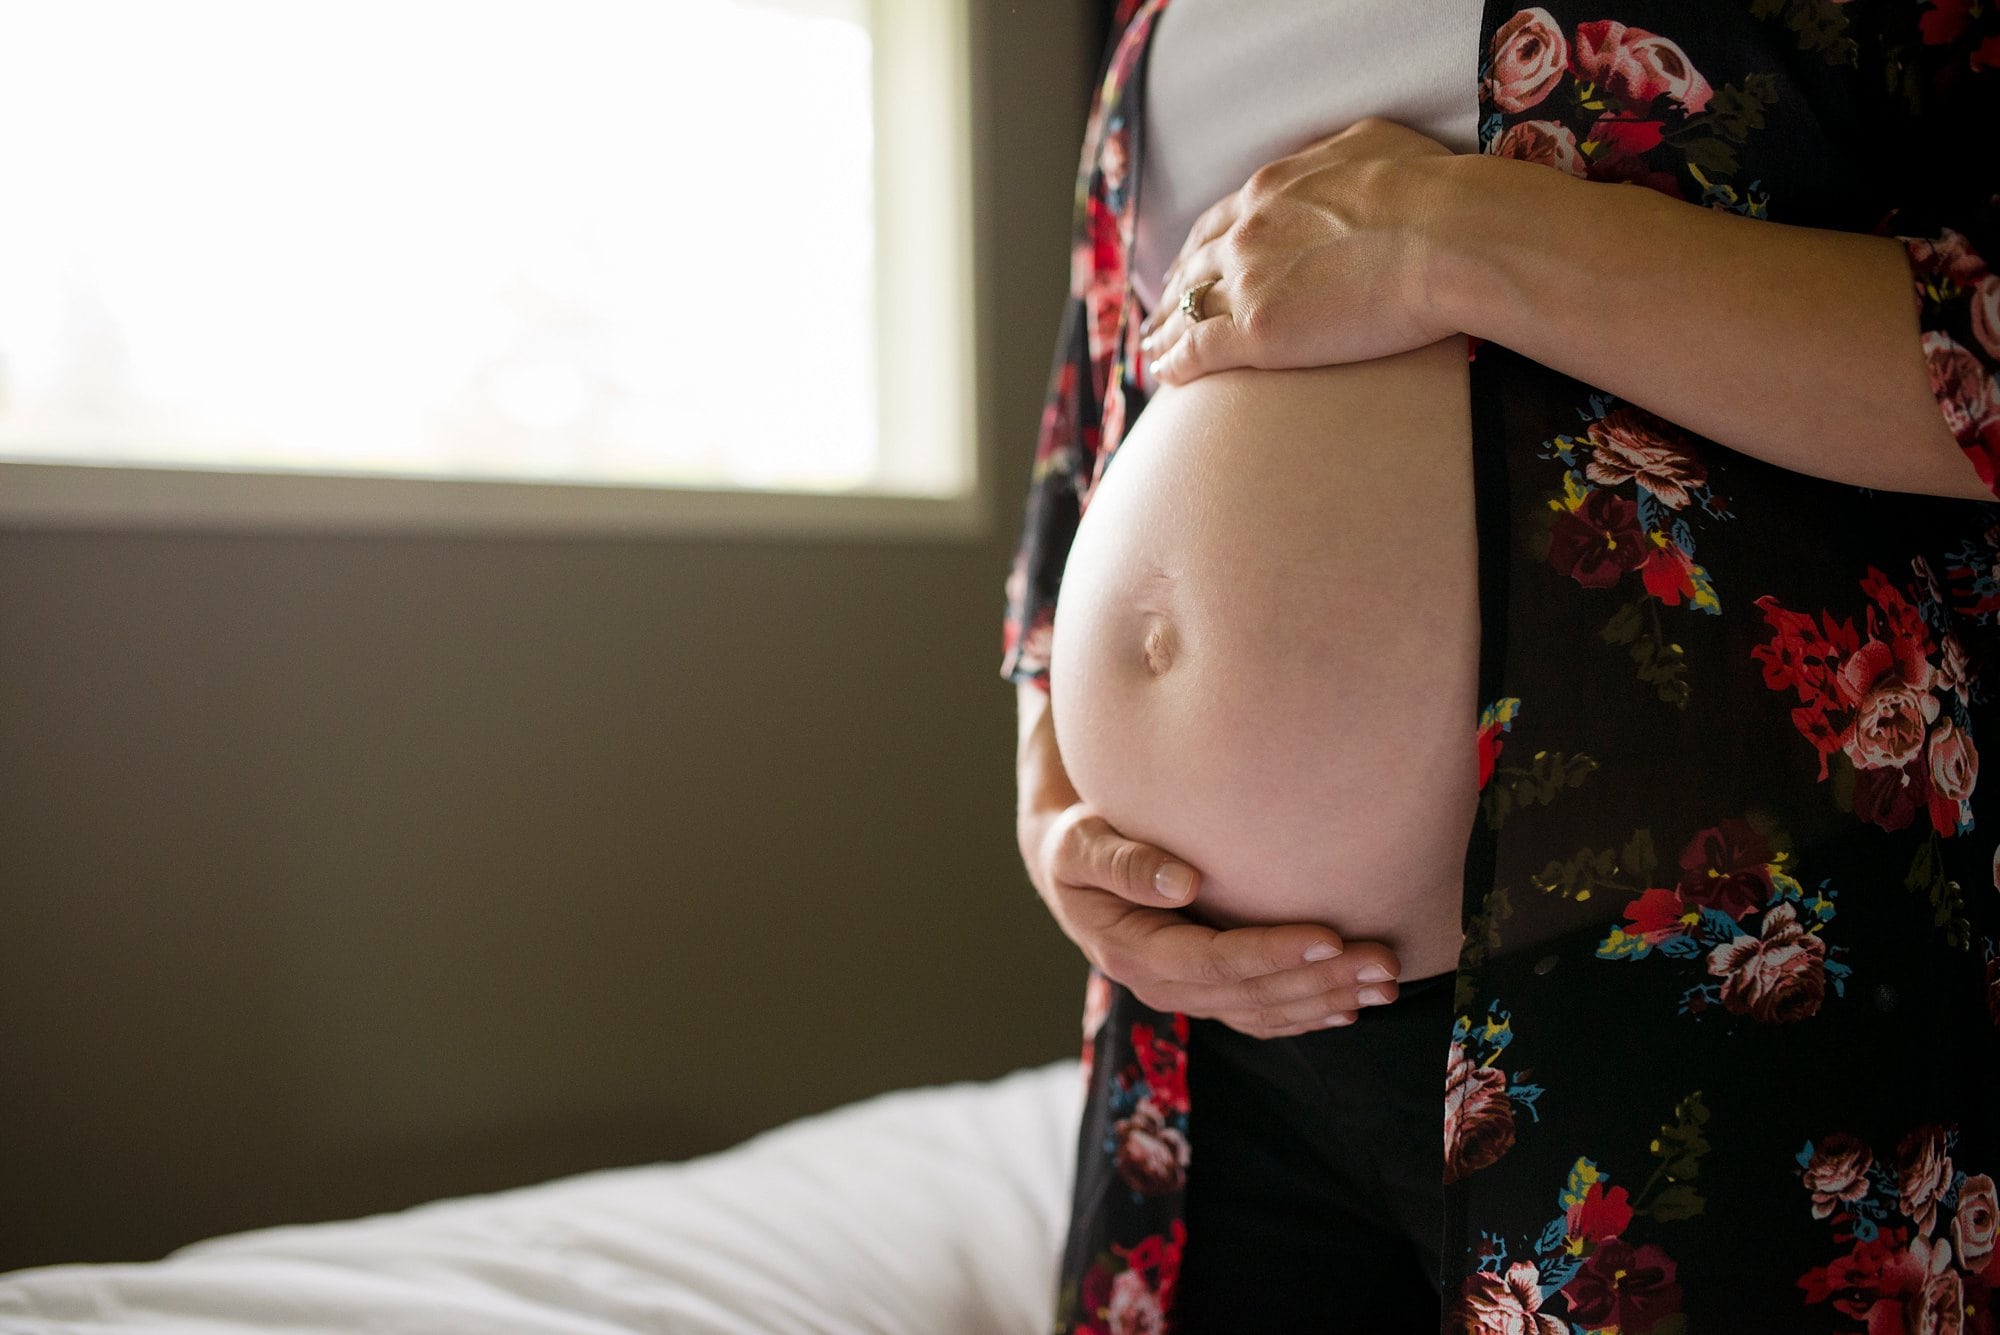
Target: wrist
{"points": [[1470, 217]]}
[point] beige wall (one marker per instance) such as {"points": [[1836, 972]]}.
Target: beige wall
{"points": [[341, 873]]}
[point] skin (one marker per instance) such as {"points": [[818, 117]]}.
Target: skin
{"points": [[1801, 349]]}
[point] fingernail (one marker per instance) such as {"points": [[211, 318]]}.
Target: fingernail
{"points": [[1320, 950], [1153, 369], [1340, 1017], [1374, 973], [1374, 996], [1173, 881]]}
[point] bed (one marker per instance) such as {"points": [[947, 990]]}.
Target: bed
{"points": [[928, 1210]]}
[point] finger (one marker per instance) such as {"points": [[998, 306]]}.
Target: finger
{"points": [[1248, 1024], [1362, 975], [1181, 961], [1168, 320], [1214, 343], [1090, 853], [1334, 1007], [1359, 968], [1216, 219]]}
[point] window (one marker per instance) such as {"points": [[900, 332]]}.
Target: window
{"points": [[613, 263]]}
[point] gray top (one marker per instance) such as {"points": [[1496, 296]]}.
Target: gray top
{"points": [[1233, 84]]}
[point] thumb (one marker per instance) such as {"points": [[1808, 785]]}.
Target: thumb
{"points": [[1132, 870]]}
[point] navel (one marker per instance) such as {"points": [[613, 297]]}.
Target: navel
{"points": [[1159, 647]]}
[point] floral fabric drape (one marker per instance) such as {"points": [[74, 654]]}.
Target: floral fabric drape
{"points": [[1727, 1047]]}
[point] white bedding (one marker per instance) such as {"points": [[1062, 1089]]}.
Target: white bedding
{"points": [[924, 1211]]}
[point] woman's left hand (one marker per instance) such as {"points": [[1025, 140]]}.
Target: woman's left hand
{"points": [[1320, 258]]}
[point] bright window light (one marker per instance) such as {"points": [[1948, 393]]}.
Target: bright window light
{"points": [[625, 242]]}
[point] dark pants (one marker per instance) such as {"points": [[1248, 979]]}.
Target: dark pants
{"points": [[1315, 1193]]}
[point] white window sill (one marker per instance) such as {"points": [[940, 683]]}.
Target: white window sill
{"points": [[70, 496]]}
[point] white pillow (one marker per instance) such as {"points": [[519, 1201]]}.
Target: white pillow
{"points": [[920, 1211]]}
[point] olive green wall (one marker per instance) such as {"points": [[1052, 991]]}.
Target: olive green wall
{"points": [[341, 873]]}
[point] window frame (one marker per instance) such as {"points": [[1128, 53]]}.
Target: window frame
{"points": [[921, 71]]}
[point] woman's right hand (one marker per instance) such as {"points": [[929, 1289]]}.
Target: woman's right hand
{"points": [[1116, 898]]}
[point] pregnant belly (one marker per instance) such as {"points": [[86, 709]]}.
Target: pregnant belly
{"points": [[1265, 656]]}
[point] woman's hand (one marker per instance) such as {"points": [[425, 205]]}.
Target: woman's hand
{"points": [[1115, 898], [1320, 258]]}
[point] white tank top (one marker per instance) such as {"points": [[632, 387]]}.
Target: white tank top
{"points": [[1233, 84]]}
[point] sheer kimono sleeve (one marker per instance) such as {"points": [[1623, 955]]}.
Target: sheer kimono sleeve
{"points": [[1064, 453], [1950, 229]]}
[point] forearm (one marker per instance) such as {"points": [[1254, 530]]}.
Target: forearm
{"points": [[1795, 345]]}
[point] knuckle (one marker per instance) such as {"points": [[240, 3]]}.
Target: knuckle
{"points": [[1122, 863], [1266, 179], [1262, 990], [1072, 844], [1117, 960], [1272, 1017], [1257, 321], [1212, 966]]}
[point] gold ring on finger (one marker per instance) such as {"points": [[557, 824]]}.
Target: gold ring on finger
{"points": [[1191, 300]]}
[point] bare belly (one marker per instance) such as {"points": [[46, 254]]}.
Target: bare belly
{"points": [[1265, 656]]}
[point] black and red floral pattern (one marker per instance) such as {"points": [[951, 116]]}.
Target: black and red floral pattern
{"points": [[1727, 1048]]}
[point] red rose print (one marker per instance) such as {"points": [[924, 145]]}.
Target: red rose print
{"points": [[1949, 258], [1986, 314], [1923, 1170], [1878, 1268], [1625, 137], [1478, 1118], [1890, 688], [1630, 1287], [1972, 1228], [1727, 867], [1164, 1061], [1777, 978], [1627, 443], [1113, 157], [1508, 1304], [1954, 670], [1838, 1173], [1941, 1310], [1152, 1157], [1134, 1307], [1954, 767], [1964, 390], [1545, 142], [1889, 727], [1599, 541], [1529, 55], [1637, 67]]}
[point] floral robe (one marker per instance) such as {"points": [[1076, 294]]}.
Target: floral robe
{"points": [[1727, 1047]]}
